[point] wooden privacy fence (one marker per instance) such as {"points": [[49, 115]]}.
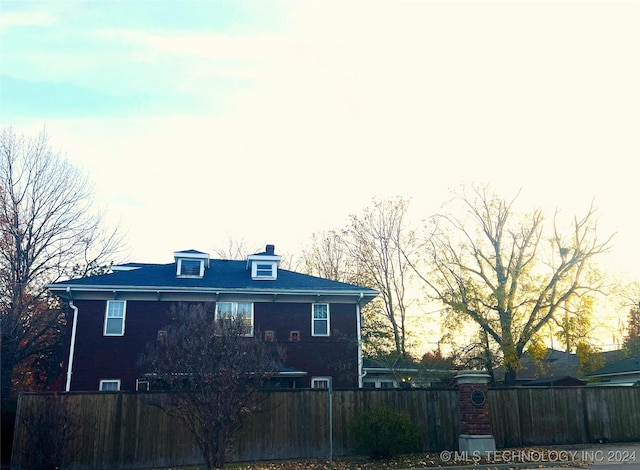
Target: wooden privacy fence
{"points": [[564, 415], [125, 431]]}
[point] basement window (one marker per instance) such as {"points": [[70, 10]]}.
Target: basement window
{"points": [[142, 385], [109, 385], [320, 382]]}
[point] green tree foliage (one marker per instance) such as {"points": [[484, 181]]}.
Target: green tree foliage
{"points": [[573, 325], [590, 358], [48, 234], [631, 344], [510, 275], [216, 372]]}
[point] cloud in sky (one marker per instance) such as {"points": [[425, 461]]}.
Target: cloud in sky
{"points": [[272, 120]]}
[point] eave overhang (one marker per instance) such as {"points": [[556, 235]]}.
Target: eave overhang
{"points": [[614, 374], [172, 293]]}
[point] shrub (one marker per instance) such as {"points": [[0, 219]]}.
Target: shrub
{"points": [[384, 433], [50, 435]]}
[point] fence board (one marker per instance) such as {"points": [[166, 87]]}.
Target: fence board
{"points": [[126, 431]]}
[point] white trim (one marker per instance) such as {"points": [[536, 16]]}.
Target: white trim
{"points": [[124, 316], [154, 290], [143, 381], [313, 320], [103, 381], [198, 255], [72, 346], [359, 335]]}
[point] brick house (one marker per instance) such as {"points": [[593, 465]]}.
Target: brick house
{"points": [[115, 315]]}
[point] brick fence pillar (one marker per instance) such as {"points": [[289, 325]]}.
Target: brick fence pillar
{"points": [[475, 422]]}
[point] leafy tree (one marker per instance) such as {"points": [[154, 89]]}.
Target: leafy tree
{"points": [[216, 372], [434, 367], [573, 329], [538, 352], [631, 344], [590, 359], [505, 273], [47, 234]]}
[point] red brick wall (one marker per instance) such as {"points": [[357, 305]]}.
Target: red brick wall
{"points": [[474, 419], [115, 357]]}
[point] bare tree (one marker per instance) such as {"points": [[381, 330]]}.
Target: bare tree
{"points": [[370, 252], [48, 233], [235, 249], [508, 275], [51, 435], [214, 373], [326, 258], [381, 244]]}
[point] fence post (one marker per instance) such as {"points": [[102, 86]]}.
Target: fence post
{"points": [[475, 422]]}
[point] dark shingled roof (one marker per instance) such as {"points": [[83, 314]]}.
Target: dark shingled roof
{"points": [[222, 274], [630, 364], [565, 381]]}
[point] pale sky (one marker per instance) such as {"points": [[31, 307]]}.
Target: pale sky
{"points": [[267, 121]]}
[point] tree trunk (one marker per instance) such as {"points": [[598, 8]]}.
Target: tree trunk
{"points": [[509, 376]]}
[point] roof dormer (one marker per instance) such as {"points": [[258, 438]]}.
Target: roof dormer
{"points": [[264, 266], [191, 263]]}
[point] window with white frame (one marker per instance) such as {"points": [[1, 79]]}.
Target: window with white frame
{"points": [[242, 311], [263, 270], [320, 320], [109, 385], [114, 317], [320, 382], [143, 385], [190, 267]]}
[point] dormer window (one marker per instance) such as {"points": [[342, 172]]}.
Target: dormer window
{"points": [[264, 266], [191, 263], [190, 267], [264, 270]]}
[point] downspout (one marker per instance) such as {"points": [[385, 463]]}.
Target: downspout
{"points": [[72, 347], [358, 326]]}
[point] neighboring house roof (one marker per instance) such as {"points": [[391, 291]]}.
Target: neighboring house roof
{"points": [[564, 381], [373, 366], [289, 371], [555, 364], [627, 366], [222, 277]]}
